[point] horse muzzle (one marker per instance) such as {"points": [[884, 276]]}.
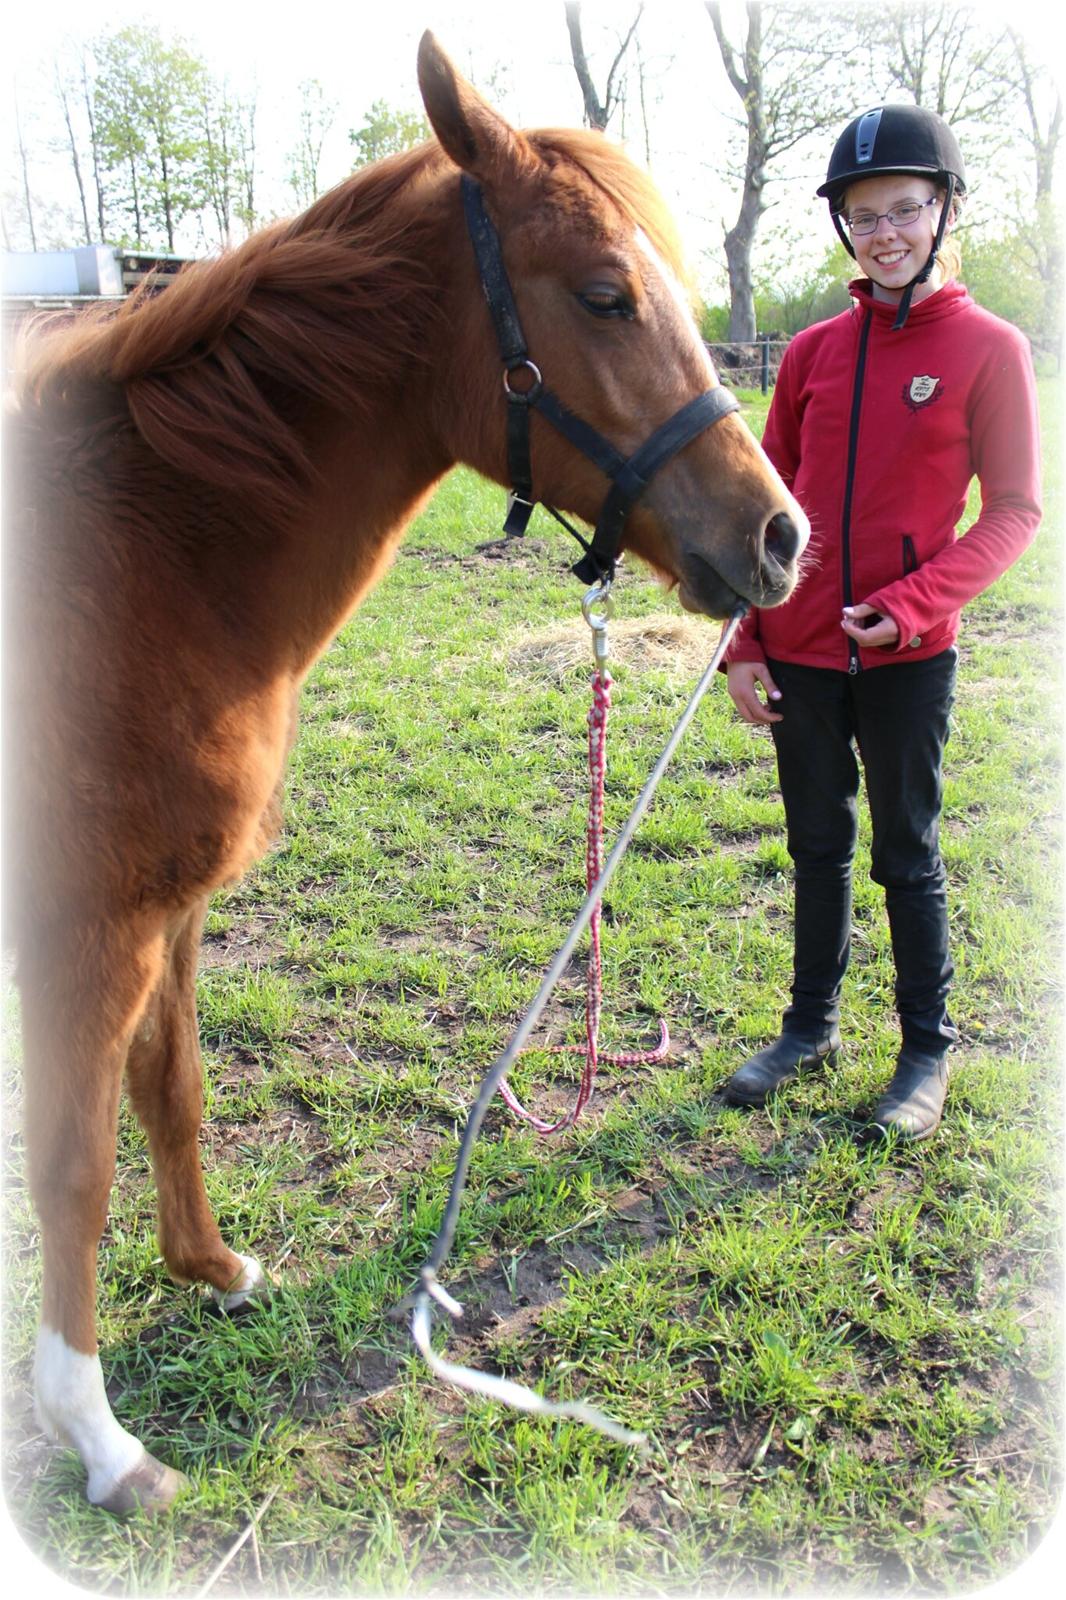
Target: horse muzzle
{"points": [[714, 587]]}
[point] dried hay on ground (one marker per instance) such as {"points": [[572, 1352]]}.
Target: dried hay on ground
{"points": [[679, 645]]}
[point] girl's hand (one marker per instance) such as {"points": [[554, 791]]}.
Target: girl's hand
{"points": [[742, 677], [869, 635]]}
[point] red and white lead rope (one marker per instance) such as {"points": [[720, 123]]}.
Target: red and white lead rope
{"points": [[597, 752]]}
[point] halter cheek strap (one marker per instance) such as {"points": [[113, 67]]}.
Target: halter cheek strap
{"points": [[629, 477]]}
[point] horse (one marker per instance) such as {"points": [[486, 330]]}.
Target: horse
{"points": [[204, 483]]}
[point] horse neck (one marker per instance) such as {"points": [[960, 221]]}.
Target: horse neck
{"points": [[373, 462], [371, 480]]}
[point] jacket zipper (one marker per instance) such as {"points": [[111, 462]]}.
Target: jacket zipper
{"points": [[854, 664], [910, 559]]}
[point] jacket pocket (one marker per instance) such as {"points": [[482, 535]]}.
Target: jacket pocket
{"points": [[910, 560]]}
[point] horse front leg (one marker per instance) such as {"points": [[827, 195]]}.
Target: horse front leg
{"points": [[165, 1075], [77, 1016]]}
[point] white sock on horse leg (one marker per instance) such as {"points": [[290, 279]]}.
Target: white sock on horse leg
{"points": [[72, 1406], [252, 1279]]}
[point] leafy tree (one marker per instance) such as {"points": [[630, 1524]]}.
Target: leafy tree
{"points": [[228, 158], [1001, 274], [317, 114], [385, 131], [123, 150], [245, 129], [788, 300], [146, 100]]}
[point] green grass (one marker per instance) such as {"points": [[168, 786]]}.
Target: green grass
{"points": [[845, 1355]]}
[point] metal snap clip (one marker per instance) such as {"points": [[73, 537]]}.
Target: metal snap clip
{"points": [[596, 610]]}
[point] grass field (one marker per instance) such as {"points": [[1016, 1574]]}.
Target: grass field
{"points": [[845, 1355]]}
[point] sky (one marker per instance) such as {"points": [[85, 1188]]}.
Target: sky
{"points": [[364, 50]]}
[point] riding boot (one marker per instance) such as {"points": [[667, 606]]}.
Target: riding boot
{"points": [[786, 1058], [918, 920], [912, 1104], [810, 1027]]}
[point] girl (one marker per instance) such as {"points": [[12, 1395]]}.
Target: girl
{"points": [[879, 420]]}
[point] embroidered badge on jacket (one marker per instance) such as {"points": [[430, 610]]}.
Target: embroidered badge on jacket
{"points": [[921, 392]]}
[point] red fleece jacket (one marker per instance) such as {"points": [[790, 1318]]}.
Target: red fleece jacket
{"points": [[878, 435]]}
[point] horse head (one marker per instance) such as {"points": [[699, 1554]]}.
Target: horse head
{"points": [[594, 267]]}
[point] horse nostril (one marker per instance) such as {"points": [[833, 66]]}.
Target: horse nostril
{"points": [[782, 539]]}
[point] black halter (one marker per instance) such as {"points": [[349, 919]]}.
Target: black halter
{"points": [[629, 478]]}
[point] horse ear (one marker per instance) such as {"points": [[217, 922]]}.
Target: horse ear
{"points": [[476, 137]]}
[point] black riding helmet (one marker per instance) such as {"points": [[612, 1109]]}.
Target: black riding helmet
{"points": [[896, 139]]}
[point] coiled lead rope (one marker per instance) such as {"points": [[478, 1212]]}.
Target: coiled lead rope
{"points": [[488, 1384]]}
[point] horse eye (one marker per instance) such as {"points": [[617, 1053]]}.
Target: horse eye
{"points": [[606, 303]]}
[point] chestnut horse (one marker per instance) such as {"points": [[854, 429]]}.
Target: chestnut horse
{"points": [[205, 483]]}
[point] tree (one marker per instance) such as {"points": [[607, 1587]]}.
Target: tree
{"points": [[790, 296], [228, 158], [173, 88], [64, 94], [94, 142], [120, 140], [24, 169], [385, 132], [146, 99], [1043, 122], [245, 136], [598, 113], [789, 75], [1042, 240], [317, 114], [942, 57], [979, 75]]}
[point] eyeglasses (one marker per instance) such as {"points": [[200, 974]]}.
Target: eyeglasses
{"points": [[900, 216]]}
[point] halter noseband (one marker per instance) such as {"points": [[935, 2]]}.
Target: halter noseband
{"points": [[629, 477]]}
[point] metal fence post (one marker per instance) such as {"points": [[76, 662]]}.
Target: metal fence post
{"points": [[765, 363]]}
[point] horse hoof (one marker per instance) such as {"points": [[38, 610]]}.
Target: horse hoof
{"points": [[150, 1487], [252, 1288]]}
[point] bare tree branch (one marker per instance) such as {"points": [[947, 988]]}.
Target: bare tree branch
{"points": [[597, 113], [63, 96], [24, 168], [616, 63]]}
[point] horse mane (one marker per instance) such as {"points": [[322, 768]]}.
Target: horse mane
{"points": [[329, 307]]}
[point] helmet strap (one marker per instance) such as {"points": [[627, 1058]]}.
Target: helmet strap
{"points": [[926, 272], [843, 233]]}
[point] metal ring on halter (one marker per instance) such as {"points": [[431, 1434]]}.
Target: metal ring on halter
{"points": [[526, 395]]}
